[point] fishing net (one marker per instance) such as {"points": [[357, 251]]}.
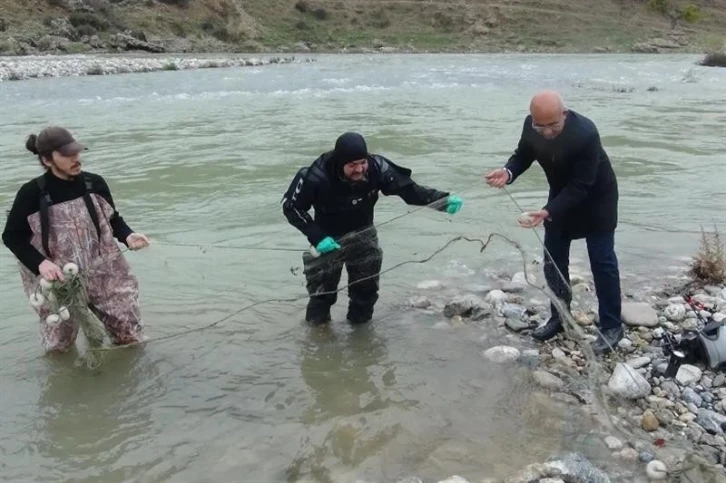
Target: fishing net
{"points": [[68, 303], [596, 381]]}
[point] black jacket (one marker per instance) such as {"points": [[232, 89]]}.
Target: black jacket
{"points": [[342, 207], [17, 233], [583, 195]]}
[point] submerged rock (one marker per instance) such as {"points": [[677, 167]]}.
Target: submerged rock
{"points": [[502, 354]]}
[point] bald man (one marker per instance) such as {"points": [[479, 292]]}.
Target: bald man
{"points": [[582, 203]]}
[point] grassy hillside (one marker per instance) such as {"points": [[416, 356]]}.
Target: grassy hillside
{"points": [[27, 26]]}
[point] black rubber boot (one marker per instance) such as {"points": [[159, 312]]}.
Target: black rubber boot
{"points": [[548, 330]]}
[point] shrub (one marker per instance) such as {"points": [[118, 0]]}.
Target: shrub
{"points": [[709, 264], [82, 18], [714, 59]]}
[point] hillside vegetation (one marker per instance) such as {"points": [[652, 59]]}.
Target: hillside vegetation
{"points": [[68, 26]]}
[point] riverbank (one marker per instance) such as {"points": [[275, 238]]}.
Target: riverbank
{"points": [[23, 68], [655, 424]]}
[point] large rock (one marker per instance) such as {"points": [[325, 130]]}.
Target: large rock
{"points": [[639, 314], [127, 42], [627, 382], [62, 27], [52, 43]]}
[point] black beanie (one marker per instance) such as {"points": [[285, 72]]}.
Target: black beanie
{"points": [[349, 147]]}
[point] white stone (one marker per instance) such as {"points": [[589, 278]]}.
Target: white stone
{"points": [[688, 374], [496, 297], [627, 382], [429, 285], [558, 353], [656, 471], [419, 302], [639, 314], [454, 479], [625, 343], [658, 333], [613, 443], [718, 317], [502, 354], [676, 300], [675, 312]]}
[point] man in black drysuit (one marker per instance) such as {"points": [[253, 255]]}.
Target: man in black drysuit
{"points": [[342, 186]]}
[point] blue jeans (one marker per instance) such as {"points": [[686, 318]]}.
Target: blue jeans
{"points": [[604, 266]]}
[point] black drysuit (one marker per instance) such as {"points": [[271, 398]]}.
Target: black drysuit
{"points": [[343, 210]]}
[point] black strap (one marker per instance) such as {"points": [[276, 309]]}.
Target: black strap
{"points": [[91, 207], [45, 203]]}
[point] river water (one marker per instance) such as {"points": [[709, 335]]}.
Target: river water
{"points": [[203, 158]]}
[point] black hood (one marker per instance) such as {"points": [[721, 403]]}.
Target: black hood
{"points": [[349, 147]]}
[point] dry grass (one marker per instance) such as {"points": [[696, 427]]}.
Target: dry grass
{"points": [[708, 266], [436, 25]]}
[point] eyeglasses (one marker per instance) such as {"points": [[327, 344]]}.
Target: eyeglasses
{"points": [[552, 125]]}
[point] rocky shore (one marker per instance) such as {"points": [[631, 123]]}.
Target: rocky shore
{"points": [[656, 427], [21, 68]]}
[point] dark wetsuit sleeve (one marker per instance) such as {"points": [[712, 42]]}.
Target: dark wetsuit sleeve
{"points": [[17, 232], [397, 181], [296, 204], [121, 230]]}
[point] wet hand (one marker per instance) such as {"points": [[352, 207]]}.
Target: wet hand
{"points": [[137, 241], [326, 245], [497, 178], [453, 204], [533, 218], [50, 271]]}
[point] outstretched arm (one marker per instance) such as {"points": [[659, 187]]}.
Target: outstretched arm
{"points": [[396, 180], [296, 203]]}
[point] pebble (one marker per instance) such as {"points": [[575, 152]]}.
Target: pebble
{"points": [[688, 374], [558, 353], [495, 297], [691, 397], [419, 302], [81, 65], [646, 457], [719, 380], [649, 422], [613, 443], [629, 454]]}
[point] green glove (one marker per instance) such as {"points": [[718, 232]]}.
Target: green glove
{"points": [[453, 204], [326, 245]]}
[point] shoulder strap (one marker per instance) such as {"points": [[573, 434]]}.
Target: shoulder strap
{"points": [[90, 206], [45, 203]]}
